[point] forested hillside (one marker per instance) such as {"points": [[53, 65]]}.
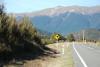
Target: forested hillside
{"points": [[65, 20]]}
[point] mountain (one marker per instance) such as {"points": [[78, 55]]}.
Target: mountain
{"points": [[63, 9], [65, 20], [43, 33]]}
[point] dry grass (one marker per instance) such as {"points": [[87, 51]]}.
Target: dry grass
{"points": [[60, 61]]}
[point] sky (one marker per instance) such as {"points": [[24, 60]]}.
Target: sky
{"points": [[20, 6]]}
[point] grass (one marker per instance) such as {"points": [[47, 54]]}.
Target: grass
{"points": [[98, 44], [67, 60], [61, 60]]}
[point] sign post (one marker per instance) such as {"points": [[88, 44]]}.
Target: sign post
{"points": [[63, 49], [57, 37]]}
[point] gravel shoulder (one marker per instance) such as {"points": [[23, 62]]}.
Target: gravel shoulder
{"points": [[61, 60]]}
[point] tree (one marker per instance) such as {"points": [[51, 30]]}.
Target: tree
{"points": [[70, 37], [3, 26], [26, 29], [12, 30], [3, 19]]}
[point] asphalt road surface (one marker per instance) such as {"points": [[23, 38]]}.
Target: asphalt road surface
{"points": [[86, 56]]}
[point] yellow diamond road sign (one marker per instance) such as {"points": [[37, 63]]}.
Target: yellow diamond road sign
{"points": [[57, 37]]}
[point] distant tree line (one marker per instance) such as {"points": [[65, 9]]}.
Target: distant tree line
{"points": [[70, 38]]}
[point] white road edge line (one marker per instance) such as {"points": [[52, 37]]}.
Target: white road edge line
{"points": [[82, 61]]}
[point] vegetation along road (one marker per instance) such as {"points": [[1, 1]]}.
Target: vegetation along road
{"points": [[61, 60]]}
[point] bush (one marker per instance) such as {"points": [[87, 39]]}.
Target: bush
{"points": [[18, 36], [70, 37]]}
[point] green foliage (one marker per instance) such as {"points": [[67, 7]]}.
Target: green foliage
{"points": [[3, 24], [70, 37], [17, 36], [3, 19], [26, 29]]}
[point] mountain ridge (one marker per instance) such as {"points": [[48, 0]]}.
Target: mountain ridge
{"points": [[65, 20], [63, 9]]}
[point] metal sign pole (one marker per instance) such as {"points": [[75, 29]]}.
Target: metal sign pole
{"points": [[63, 51], [57, 44], [57, 38]]}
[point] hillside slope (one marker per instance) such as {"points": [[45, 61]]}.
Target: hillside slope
{"points": [[65, 20]]}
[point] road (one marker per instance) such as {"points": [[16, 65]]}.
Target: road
{"points": [[85, 56]]}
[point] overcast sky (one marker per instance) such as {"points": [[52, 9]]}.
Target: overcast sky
{"points": [[19, 6]]}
